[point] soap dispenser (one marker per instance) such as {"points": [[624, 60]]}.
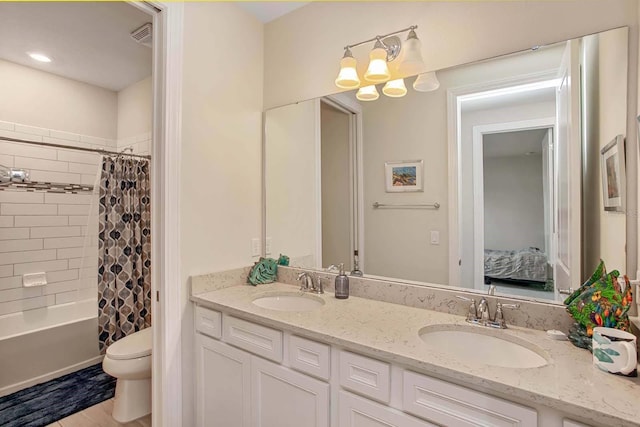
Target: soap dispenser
{"points": [[342, 284]]}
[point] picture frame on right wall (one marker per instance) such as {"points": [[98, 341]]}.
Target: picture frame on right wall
{"points": [[612, 162]]}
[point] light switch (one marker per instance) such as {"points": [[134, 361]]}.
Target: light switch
{"points": [[435, 237]]}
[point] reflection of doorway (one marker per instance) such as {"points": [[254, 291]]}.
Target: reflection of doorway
{"points": [[513, 184]]}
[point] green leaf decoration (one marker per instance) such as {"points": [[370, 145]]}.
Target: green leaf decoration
{"points": [[611, 351], [600, 339], [264, 271], [602, 356], [283, 260]]}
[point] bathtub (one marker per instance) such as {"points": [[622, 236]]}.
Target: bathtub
{"points": [[42, 344]]}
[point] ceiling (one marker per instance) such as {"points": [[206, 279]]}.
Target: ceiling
{"points": [[267, 11], [88, 41], [517, 143]]}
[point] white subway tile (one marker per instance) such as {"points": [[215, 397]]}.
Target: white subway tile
{"points": [[102, 142], [14, 233], [41, 221], [10, 282], [54, 288], [77, 220], [89, 282], [32, 130], [20, 135], [55, 231], [6, 270], [23, 150], [92, 179], [26, 304], [68, 136], [69, 199], [19, 293], [6, 221], [21, 197], [88, 293], [6, 160], [66, 297], [63, 242], [62, 276], [7, 125], [36, 267], [143, 137], [57, 177], [40, 164], [27, 256], [20, 245], [70, 253], [79, 157], [74, 209], [26, 209], [83, 168], [88, 262]]}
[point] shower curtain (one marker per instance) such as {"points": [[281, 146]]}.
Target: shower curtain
{"points": [[124, 246]]}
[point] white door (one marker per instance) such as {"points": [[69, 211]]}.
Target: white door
{"points": [[281, 397], [223, 381], [356, 411], [568, 173]]}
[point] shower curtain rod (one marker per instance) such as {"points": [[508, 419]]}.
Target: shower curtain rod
{"points": [[70, 147]]}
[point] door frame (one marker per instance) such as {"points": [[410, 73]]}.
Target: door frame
{"points": [[478, 182], [455, 97], [166, 302]]}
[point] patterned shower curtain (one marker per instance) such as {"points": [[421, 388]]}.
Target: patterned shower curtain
{"points": [[124, 249]]}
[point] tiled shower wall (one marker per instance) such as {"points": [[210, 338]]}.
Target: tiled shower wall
{"points": [[49, 232]]}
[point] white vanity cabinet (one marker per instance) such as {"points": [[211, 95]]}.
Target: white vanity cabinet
{"points": [[251, 375]]}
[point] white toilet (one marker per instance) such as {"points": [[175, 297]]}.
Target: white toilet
{"points": [[129, 360]]}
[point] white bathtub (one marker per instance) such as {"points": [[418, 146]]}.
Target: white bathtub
{"points": [[42, 344]]}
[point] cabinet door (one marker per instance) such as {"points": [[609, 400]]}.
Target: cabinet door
{"points": [[281, 397], [355, 411], [223, 380]]}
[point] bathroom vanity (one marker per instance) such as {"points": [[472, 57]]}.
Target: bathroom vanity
{"points": [[360, 362]]}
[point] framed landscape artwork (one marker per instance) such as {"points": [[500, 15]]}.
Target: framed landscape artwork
{"points": [[613, 175], [404, 176]]}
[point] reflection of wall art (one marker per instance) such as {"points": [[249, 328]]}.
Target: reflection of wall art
{"points": [[613, 175], [403, 176]]}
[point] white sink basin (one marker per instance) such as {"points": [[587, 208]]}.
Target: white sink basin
{"points": [[289, 301], [476, 345]]}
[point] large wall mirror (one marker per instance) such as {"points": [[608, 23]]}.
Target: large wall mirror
{"points": [[494, 178]]}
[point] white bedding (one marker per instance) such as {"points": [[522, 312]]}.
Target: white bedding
{"points": [[524, 264]]}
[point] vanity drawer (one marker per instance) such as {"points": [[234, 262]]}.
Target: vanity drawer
{"points": [[368, 377], [310, 357], [257, 339], [455, 406], [208, 322]]}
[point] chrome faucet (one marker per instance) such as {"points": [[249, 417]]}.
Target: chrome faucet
{"points": [[482, 316], [310, 283]]}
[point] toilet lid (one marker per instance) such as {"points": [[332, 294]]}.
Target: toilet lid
{"points": [[132, 346]]}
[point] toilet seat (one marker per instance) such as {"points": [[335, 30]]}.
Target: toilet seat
{"points": [[132, 346]]}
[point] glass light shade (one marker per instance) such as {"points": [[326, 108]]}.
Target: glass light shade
{"points": [[368, 93], [426, 82], [395, 88], [348, 76], [378, 71], [412, 62]]}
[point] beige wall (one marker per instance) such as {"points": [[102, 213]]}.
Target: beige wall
{"points": [[303, 48], [221, 156], [135, 109], [41, 99]]}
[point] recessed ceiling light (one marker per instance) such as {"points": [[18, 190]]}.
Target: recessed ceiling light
{"points": [[39, 57]]}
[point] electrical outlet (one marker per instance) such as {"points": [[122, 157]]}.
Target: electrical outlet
{"points": [[255, 247], [435, 237], [268, 245]]}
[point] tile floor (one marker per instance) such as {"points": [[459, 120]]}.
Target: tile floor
{"points": [[99, 416]]}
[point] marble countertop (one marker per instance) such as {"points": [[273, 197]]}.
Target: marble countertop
{"points": [[569, 382]]}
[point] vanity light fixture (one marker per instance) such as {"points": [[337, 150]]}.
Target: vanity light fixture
{"points": [[385, 50], [367, 93], [426, 82], [395, 88], [39, 57]]}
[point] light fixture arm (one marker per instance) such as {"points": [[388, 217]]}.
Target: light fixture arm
{"points": [[380, 38]]}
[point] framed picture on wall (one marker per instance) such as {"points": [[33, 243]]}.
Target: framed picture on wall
{"points": [[404, 176], [613, 175]]}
